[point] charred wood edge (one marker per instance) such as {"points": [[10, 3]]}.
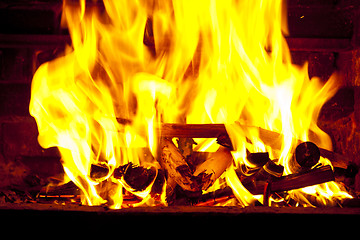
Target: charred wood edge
{"points": [[267, 193], [192, 130], [68, 190], [297, 180], [336, 159], [211, 198]]}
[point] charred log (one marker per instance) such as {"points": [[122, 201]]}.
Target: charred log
{"points": [[307, 155], [297, 180], [137, 177], [264, 177], [98, 171]]}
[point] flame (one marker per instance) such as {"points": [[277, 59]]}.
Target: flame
{"points": [[210, 62]]}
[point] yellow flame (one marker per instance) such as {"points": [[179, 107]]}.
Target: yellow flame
{"points": [[211, 62]]}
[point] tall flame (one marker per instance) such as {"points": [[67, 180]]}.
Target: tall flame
{"points": [[211, 62]]}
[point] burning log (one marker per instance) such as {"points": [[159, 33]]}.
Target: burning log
{"points": [[218, 196], [214, 166], [225, 141], [98, 171], [67, 190], [265, 176], [180, 172], [137, 177], [337, 160], [297, 180], [173, 162], [186, 146], [307, 155], [196, 158], [269, 138], [257, 161], [268, 173], [169, 130]]}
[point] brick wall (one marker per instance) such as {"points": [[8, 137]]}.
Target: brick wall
{"points": [[30, 34]]}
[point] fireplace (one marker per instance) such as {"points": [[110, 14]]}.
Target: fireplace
{"points": [[146, 126]]}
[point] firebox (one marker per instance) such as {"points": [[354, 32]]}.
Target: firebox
{"points": [[180, 107]]}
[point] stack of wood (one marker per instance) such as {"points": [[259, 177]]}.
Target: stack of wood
{"points": [[187, 173]]}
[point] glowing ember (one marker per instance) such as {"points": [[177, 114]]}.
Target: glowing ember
{"points": [[136, 64]]}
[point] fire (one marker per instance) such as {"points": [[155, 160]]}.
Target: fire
{"points": [[205, 62]]}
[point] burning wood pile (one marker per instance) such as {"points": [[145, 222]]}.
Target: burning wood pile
{"points": [[185, 176], [142, 83]]}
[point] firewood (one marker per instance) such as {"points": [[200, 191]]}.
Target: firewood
{"points": [[297, 180], [258, 159], [337, 160], [196, 158], [225, 141], [181, 197], [307, 155], [214, 166], [157, 187], [98, 171], [176, 167], [169, 130], [185, 146], [137, 177], [267, 193], [67, 189], [211, 198], [268, 173], [269, 138]]}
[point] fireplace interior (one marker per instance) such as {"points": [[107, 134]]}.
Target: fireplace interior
{"points": [[325, 34]]}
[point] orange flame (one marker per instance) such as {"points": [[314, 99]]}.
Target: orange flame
{"points": [[211, 62]]}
